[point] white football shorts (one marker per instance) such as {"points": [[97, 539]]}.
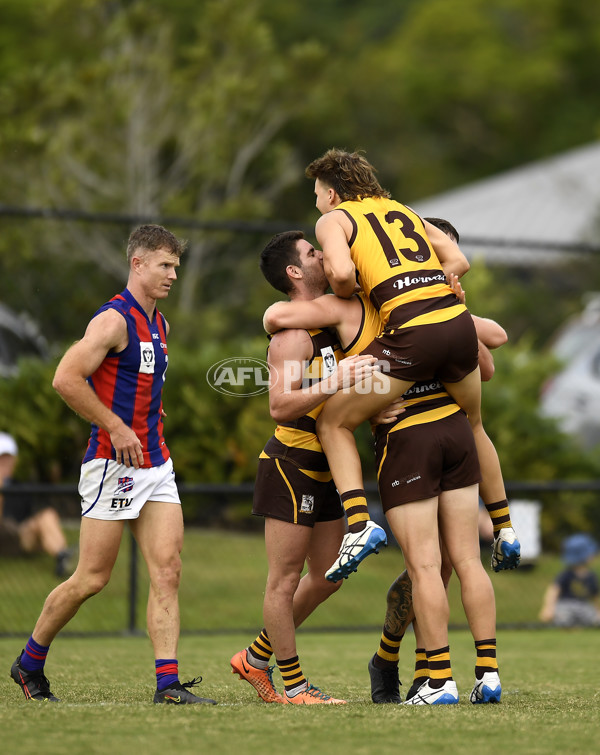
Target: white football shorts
{"points": [[114, 492]]}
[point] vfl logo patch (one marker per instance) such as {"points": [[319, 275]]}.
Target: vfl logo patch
{"points": [[329, 363], [147, 357], [308, 504], [124, 485]]}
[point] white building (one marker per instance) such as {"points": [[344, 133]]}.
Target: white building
{"points": [[550, 206]]}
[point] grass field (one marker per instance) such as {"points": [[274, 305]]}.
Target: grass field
{"points": [[550, 703], [223, 581], [551, 698]]}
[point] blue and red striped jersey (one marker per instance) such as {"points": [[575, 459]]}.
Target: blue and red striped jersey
{"points": [[130, 383]]}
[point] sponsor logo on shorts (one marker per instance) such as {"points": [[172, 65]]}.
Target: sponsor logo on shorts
{"points": [[124, 485], [308, 504], [406, 480], [121, 503]]}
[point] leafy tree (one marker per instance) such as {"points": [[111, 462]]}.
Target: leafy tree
{"points": [[210, 111], [127, 120], [450, 92], [50, 437]]}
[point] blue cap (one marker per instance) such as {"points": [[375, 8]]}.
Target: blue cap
{"points": [[579, 548]]}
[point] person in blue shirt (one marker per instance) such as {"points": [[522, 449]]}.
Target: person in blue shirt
{"points": [[573, 598]]}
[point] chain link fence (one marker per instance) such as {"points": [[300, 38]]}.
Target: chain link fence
{"points": [[543, 515]]}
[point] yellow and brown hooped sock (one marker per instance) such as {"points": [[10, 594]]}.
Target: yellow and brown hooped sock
{"points": [[355, 506], [421, 672], [486, 657], [388, 651], [500, 515], [260, 651], [291, 673], [440, 670]]}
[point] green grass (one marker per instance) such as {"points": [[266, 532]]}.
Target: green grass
{"points": [[223, 582], [550, 700]]}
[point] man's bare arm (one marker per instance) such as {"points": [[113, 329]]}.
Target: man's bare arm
{"points": [[489, 332], [327, 311], [106, 332], [447, 251], [322, 312], [337, 262], [289, 353]]}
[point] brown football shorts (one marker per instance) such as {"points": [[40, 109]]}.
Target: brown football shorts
{"points": [[422, 461], [444, 350], [282, 491]]}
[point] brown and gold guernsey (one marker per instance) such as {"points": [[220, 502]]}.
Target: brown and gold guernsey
{"points": [[297, 441], [396, 264]]}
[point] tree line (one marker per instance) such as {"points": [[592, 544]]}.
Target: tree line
{"points": [[211, 110]]}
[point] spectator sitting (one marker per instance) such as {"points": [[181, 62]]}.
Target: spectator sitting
{"points": [[572, 600], [24, 530]]}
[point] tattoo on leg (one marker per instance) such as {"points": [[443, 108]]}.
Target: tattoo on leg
{"points": [[399, 613]]}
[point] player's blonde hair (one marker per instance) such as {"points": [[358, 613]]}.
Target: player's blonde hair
{"points": [[150, 237]]}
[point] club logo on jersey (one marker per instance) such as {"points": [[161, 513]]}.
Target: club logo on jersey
{"points": [[124, 485], [329, 363], [308, 503], [147, 357], [240, 376]]}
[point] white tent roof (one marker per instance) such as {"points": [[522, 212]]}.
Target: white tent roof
{"points": [[554, 201]]}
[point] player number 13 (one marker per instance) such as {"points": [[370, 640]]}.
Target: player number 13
{"points": [[406, 231]]}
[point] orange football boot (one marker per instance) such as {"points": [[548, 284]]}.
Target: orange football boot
{"points": [[260, 678], [313, 696]]}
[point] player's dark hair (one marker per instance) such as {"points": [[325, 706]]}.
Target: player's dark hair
{"points": [[349, 173], [445, 226], [151, 237], [280, 252]]}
